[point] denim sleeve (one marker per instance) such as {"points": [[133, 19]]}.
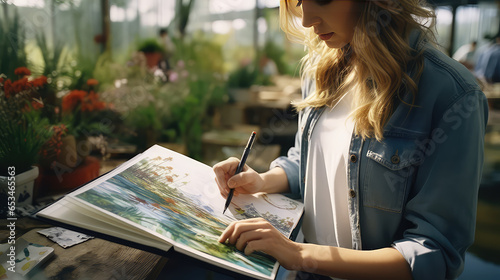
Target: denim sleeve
{"points": [[441, 207]]}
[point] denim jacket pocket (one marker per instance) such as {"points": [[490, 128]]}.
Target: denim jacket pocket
{"points": [[389, 172]]}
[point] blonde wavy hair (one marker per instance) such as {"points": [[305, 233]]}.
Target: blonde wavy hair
{"points": [[374, 62]]}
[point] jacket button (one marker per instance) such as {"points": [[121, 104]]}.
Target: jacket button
{"points": [[395, 159], [352, 193], [353, 158]]}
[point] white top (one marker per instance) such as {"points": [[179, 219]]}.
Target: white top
{"points": [[326, 217]]}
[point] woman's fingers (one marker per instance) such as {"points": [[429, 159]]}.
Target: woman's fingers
{"points": [[223, 191], [223, 171], [259, 235], [260, 245], [245, 182], [235, 229], [248, 237]]}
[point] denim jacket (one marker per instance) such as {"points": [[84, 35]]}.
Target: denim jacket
{"points": [[416, 190]]}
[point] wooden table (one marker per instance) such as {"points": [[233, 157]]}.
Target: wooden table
{"points": [[93, 259], [101, 259]]}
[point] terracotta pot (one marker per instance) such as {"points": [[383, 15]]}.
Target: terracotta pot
{"points": [[152, 59]]}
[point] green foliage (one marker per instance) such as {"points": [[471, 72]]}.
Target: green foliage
{"points": [[150, 46], [12, 45], [277, 54], [144, 117], [21, 140], [199, 88], [24, 129], [93, 124], [82, 70], [52, 56], [191, 115], [201, 54], [145, 122], [103, 69], [243, 77], [54, 67], [108, 71], [66, 69]]}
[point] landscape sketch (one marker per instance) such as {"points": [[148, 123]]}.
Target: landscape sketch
{"points": [[178, 198]]}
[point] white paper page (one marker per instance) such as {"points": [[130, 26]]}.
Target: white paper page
{"points": [[66, 212]]}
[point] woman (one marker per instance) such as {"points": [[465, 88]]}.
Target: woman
{"points": [[388, 153]]}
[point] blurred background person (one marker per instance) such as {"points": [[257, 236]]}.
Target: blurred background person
{"points": [[466, 55], [169, 50], [488, 63]]}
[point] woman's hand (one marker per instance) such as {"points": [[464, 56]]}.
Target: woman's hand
{"points": [[247, 181], [259, 235]]}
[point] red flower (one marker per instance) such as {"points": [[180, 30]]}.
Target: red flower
{"points": [[21, 85], [22, 71], [52, 147], [72, 99], [92, 82], [86, 107], [39, 82], [1, 80], [91, 103]]}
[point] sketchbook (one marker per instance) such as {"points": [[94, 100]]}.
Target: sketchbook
{"points": [[165, 200]]}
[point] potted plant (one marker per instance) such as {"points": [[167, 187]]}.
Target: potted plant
{"points": [[81, 110], [152, 50], [239, 83], [23, 133]]}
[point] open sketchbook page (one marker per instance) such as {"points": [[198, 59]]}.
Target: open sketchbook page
{"points": [[176, 198], [69, 213]]}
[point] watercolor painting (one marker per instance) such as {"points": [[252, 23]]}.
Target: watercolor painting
{"points": [[177, 199]]}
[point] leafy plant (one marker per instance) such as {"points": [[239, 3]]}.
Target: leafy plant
{"points": [[199, 86], [21, 141], [12, 45], [52, 57], [243, 77], [277, 54], [82, 112], [144, 117], [107, 70], [150, 46], [53, 68], [146, 125], [23, 131], [191, 116]]}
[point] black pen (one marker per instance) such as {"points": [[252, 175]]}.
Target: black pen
{"points": [[240, 167]]}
